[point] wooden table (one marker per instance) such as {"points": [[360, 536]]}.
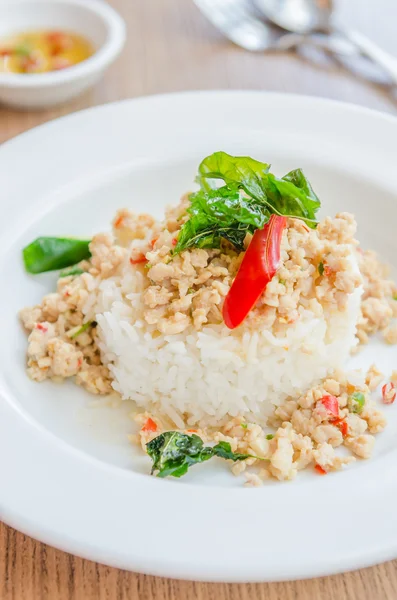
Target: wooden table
{"points": [[172, 47]]}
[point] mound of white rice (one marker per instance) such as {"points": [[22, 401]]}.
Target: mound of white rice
{"points": [[204, 377]]}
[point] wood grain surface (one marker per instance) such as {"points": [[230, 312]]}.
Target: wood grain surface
{"points": [[172, 47]]}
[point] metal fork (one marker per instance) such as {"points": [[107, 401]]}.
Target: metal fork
{"points": [[238, 21]]}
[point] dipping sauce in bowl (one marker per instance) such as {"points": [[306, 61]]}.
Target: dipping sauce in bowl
{"points": [[43, 51]]}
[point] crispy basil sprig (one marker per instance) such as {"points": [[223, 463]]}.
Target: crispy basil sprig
{"points": [[173, 453], [244, 203]]}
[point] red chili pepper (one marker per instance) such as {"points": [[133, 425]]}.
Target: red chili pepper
{"points": [[258, 267], [388, 393], [320, 470], [6, 52], [191, 430], [150, 425], [154, 240], [141, 259], [344, 428], [342, 425], [41, 327], [59, 42], [174, 241], [118, 222], [331, 404]]}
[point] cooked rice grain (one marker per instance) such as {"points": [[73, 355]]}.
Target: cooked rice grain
{"points": [[205, 377]]}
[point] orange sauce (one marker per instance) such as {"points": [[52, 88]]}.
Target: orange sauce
{"points": [[43, 51]]}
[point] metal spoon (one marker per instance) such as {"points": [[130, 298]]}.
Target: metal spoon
{"points": [[238, 21], [310, 16]]}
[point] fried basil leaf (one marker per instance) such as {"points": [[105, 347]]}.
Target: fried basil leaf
{"points": [[291, 196], [173, 453], [217, 214], [244, 203], [224, 450]]}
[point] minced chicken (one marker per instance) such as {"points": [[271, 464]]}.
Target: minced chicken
{"points": [[317, 271], [306, 432]]}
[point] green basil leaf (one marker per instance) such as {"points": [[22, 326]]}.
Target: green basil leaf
{"points": [[244, 203], [224, 206], [220, 213], [291, 196], [173, 453], [51, 253], [235, 236], [191, 236], [224, 450], [299, 179], [287, 199], [235, 171]]}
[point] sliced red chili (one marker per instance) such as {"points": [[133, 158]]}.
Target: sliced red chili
{"points": [[258, 267], [388, 393], [150, 425], [342, 426], [140, 259], [320, 470], [331, 404], [59, 42]]}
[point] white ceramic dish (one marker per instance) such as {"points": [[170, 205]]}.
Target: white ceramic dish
{"points": [[94, 19], [68, 475]]}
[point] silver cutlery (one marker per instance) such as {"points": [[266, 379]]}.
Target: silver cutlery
{"points": [[306, 17], [239, 22]]}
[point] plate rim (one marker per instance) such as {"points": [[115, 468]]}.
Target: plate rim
{"points": [[38, 436]]}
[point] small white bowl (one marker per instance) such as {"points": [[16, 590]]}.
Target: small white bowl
{"points": [[94, 19]]}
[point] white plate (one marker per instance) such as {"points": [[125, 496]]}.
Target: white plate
{"points": [[68, 475]]}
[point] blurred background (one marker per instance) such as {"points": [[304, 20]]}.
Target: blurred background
{"points": [[172, 46]]}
